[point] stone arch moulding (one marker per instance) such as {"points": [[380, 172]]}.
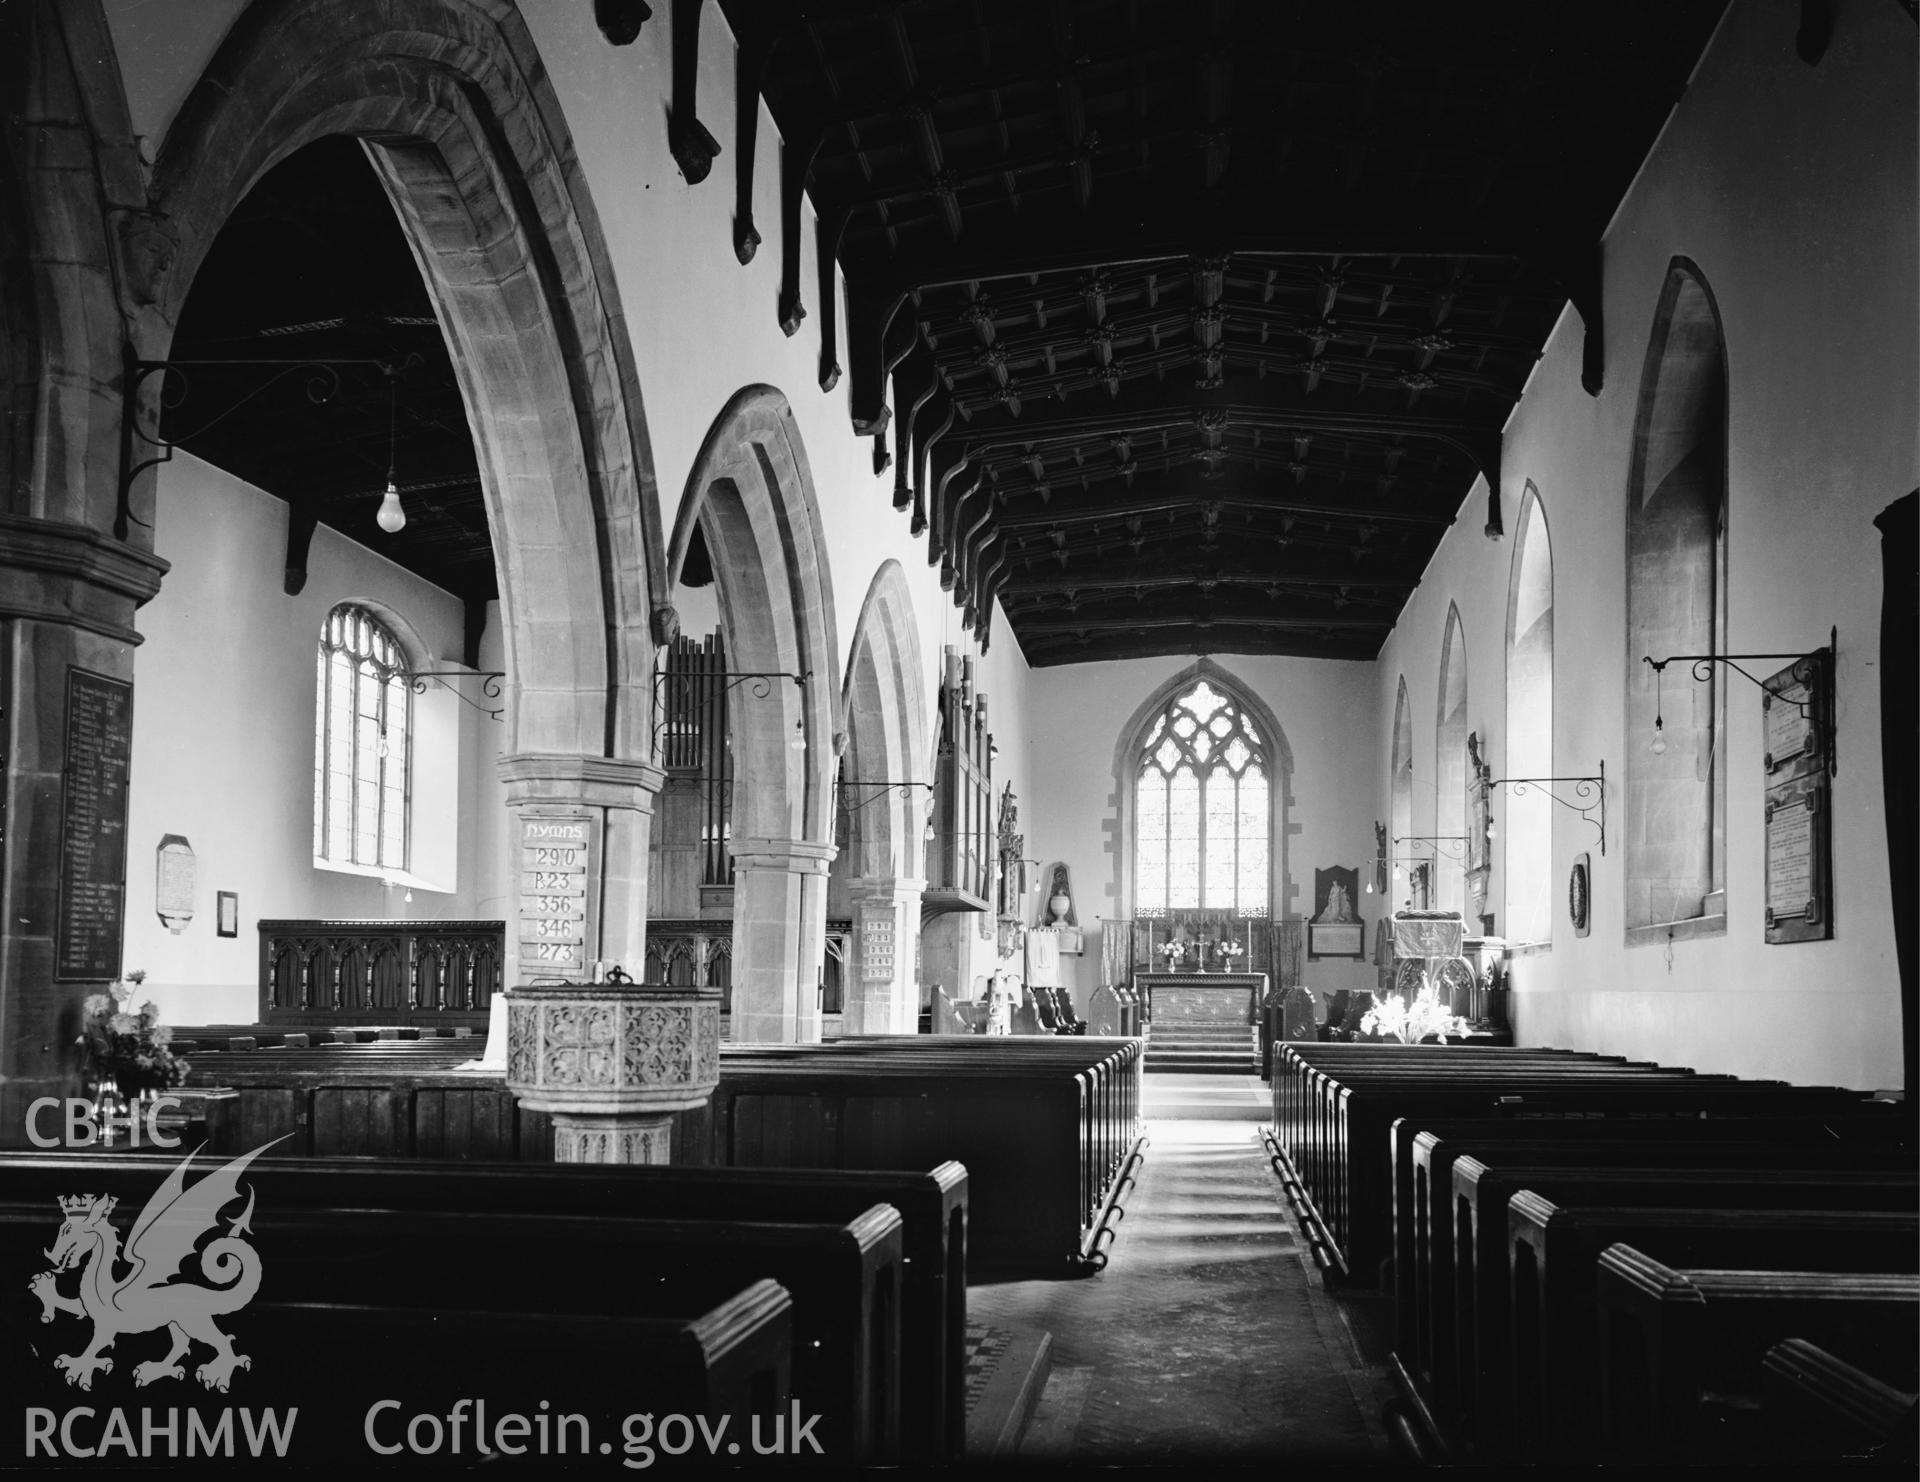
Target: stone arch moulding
{"points": [[1127, 746], [462, 125], [889, 739], [751, 496]]}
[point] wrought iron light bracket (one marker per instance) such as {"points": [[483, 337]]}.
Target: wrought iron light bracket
{"points": [[490, 686], [880, 790], [1589, 795], [1813, 670], [761, 681], [323, 381], [1436, 840]]}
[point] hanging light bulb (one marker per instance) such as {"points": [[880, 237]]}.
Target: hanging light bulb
{"points": [[799, 741], [927, 833], [391, 518], [1658, 746], [1493, 829]]}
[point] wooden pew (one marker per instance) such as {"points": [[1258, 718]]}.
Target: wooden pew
{"points": [[1346, 1145], [1672, 1338], [1476, 1361], [932, 1206], [1553, 1254], [730, 1366], [1412, 1176], [1047, 1125], [1821, 1409], [844, 1282], [1445, 1291], [1040, 1129]]}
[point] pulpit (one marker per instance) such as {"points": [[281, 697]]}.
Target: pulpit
{"points": [[1202, 998]]}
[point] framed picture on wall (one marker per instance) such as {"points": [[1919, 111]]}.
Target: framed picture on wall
{"points": [[227, 913]]}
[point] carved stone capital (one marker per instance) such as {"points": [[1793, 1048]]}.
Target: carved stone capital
{"points": [[598, 781], [796, 856], [57, 572]]}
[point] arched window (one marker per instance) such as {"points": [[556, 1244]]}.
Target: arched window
{"points": [[1409, 890], [1677, 604], [1450, 772], [1531, 882], [1202, 808], [362, 735]]}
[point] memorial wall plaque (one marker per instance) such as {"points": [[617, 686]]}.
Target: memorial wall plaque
{"points": [[173, 870], [559, 858], [93, 828], [1796, 711]]}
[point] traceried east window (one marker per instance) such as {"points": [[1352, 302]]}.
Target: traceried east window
{"points": [[362, 733], [1201, 808]]}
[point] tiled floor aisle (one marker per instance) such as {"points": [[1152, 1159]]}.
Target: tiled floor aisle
{"points": [[1208, 1337]]}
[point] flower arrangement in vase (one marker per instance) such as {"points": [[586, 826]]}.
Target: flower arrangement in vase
{"points": [[1410, 1023], [1230, 952], [128, 1050], [1173, 951]]}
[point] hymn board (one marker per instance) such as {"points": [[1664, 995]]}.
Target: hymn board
{"points": [[559, 863]]}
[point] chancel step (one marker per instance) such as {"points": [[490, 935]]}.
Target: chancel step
{"points": [[1202, 1049]]}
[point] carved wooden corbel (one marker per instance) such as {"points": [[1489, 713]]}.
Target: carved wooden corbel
{"points": [[694, 149]]}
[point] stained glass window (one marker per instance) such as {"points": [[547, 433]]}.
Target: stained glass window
{"points": [[1201, 809], [362, 733]]}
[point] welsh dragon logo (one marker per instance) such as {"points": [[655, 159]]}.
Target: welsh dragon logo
{"points": [[150, 1294]]}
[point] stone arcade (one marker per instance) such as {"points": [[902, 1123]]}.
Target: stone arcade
{"points": [[634, 544]]}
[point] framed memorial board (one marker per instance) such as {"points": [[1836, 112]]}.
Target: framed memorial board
{"points": [[1796, 711], [559, 861], [93, 828]]}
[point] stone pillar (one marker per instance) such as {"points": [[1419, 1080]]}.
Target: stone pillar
{"points": [[615, 799], [881, 995], [779, 937], [67, 599], [611, 1063]]}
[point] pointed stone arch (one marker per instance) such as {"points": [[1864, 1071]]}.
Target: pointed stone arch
{"points": [[1282, 890], [889, 740], [453, 107], [751, 497], [460, 123]]}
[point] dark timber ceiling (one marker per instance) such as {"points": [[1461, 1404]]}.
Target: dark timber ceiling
{"points": [[313, 266], [1200, 318]]}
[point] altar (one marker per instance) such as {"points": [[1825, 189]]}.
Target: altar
{"points": [[1202, 998]]}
